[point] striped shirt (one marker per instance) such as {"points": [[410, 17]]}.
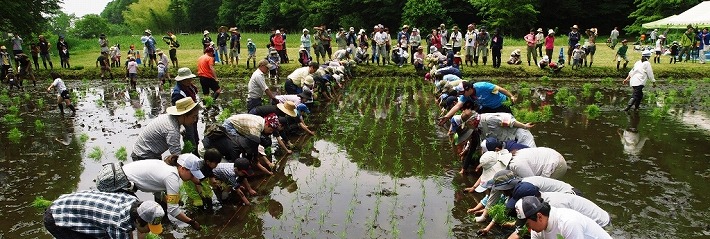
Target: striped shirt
{"points": [[225, 173], [161, 134], [98, 214]]}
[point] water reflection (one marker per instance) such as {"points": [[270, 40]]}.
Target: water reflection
{"points": [[630, 137]]}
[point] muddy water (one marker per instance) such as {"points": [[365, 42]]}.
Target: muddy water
{"points": [[379, 167]]}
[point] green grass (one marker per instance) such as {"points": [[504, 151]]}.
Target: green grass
{"points": [[85, 51]]}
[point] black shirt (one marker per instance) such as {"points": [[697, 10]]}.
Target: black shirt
{"points": [[101, 60], [265, 110], [43, 47]]}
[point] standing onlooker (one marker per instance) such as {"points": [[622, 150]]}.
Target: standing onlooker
{"points": [[574, 37], [150, 48], [374, 32], [455, 39], [207, 74], [444, 35], [550, 43], [62, 93], [637, 78], [403, 34], [415, 41], [44, 52], [102, 61], [222, 38], [162, 58], [279, 45], [530, 40], [327, 39], [206, 39], [306, 41], [6, 63], [173, 43], [103, 42], [381, 41], [17, 46], [482, 40], [34, 50], [257, 86], [351, 38], [341, 39], [654, 35], [621, 54], [704, 44], [435, 40], [235, 45], [539, 41], [63, 48], [251, 51], [318, 43], [659, 48], [686, 41], [470, 44], [614, 37], [592, 46], [496, 48]]}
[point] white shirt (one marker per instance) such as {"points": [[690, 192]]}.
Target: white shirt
{"points": [[641, 72], [570, 224], [539, 38], [298, 75], [659, 47], [59, 85], [380, 38], [579, 204], [539, 161], [152, 175], [132, 67], [456, 39], [339, 54], [614, 34], [257, 85], [549, 184], [293, 98], [470, 38]]}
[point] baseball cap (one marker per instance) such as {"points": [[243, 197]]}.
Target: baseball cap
{"points": [[192, 163], [243, 164], [302, 108], [492, 143], [152, 213], [265, 63], [526, 207], [504, 180], [523, 189]]}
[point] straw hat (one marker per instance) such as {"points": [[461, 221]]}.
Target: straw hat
{"points": [[182, 106], [222, 28], [288, 107], [233, 29], [205, 32], [574, 27], [148, 31], [405, 26], [158, 51], [184, 73]]}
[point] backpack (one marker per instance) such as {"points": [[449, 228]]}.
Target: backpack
{"points": [[111, 178]]}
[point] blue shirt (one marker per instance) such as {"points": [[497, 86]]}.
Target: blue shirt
{"points": [[488, 96]]}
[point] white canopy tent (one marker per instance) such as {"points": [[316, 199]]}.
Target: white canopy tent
{"points": [[695, 16]]}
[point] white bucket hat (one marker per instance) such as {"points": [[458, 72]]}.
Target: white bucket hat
{"points": [[184, 73]]}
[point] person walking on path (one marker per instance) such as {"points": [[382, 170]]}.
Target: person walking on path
{"points": [[207, 74], [637, 78], [621, 55], [614, 37]]}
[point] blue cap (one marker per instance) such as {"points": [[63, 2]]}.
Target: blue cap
{"points": [[303, 108], [521, 190]]}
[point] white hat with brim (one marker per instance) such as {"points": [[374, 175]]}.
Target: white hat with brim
{"points": [[152, 213], [288, 107], [492, 162], [205, 32], [191, 162], [463, 135], [184, 73], [574, 27], [182, 106]]}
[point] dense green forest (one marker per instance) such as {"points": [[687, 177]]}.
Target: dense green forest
{"points": [[512, 17]]}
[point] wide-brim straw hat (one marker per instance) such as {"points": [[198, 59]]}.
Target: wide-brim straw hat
{"points": [[184, 73], [574, 27], [158, 51], [222, 28], [182, 106], [288, 107]]}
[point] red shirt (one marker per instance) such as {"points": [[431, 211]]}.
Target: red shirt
{"points": [[278, 42], [205, 66]]}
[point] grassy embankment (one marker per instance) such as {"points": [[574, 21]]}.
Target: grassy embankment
{"points": [[85, 51]]}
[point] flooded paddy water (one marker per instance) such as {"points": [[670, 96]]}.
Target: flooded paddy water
{"points": [[378, 166]]}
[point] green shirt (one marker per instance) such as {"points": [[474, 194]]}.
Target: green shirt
{"points": [[687, 39], [622, 50]]}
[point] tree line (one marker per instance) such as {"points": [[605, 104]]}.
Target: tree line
{"points": [[511, 17]]}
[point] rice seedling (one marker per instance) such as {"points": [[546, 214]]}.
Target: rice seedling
{"points": [[545, 80], [571, 101], [592, 111], [188, 147], [41, 204], [561, 95], [209, 101], [96, 154], [15, 135], [154, 236], [587, 90], [598, 96], [608, 82], [224, 115], [39, 125], [121, 154], [40, 103], [5, 99], [99, 102], [83, 138], [237, 104], [139, 114], [12, 119]]}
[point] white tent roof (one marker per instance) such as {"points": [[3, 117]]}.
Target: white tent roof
{"points": [[696, 16]]}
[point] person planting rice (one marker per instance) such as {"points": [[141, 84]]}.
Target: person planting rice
{"points": [[163, 132], [62, 93]]}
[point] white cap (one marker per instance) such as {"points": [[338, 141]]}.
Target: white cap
{"points": [[192, 163], [152, 213]]}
